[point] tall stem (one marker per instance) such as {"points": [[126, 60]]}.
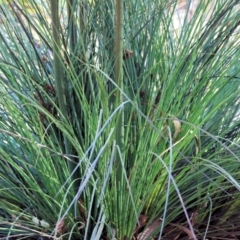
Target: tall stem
{"points": [[59, 78], [119, 69], [120, 117]]}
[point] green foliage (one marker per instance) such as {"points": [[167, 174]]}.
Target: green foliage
{"points": [[116, 132]]}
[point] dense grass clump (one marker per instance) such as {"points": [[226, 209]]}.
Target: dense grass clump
{"points": [[116, 125]]}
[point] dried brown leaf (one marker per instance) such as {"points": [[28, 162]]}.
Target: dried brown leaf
{"points": [[149, 230], [190, 234], [59, 226], [177, 129]]}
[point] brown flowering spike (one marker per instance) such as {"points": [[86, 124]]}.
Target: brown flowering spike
{"points": [[127, 54]]}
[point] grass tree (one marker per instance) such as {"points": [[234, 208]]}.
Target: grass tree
{"points": [[116, 125]]}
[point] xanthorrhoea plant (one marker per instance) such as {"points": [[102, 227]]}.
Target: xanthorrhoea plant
{"points": [[128, 141]]}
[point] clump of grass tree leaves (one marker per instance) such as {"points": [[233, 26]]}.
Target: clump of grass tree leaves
{"points": [[115, 125]]}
